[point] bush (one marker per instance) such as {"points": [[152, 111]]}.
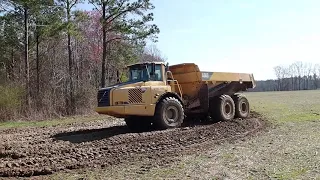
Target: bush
{"points": [[10, 101], [124, 78]]}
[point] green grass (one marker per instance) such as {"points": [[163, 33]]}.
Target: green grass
{"points": [[292, 174], [290, 106], [51, 122]]}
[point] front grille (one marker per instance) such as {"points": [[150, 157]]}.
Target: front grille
{"points": [[135, 96], [104, 97]]}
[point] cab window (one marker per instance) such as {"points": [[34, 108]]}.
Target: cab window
{"points": [[144, 73], [158, 73]]}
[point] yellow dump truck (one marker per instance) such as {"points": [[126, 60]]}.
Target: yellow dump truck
{"points": [[163, 96]]}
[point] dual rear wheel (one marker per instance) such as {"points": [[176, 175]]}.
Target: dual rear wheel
{"points": [[242, 106], [225, 107]]}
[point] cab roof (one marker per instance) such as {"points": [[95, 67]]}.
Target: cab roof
{"points": [[158, 62]]}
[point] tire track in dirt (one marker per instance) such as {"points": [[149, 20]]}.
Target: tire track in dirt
{"points": [[41, 151]]}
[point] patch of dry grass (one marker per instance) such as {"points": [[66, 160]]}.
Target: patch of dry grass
{"points": [[51, 122]]}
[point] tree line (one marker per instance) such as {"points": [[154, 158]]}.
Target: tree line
{"points": [[296, 76], [54, 57]]}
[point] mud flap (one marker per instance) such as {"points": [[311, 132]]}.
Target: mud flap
{"points": [[204, 98]]}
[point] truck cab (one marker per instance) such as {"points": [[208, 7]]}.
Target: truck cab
{"points": [[136, 99], [137, 96]]}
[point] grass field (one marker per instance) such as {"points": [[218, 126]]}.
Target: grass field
{"points": [[291, 106], [288, 149]]}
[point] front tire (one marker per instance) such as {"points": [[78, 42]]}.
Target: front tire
{"points": [[169, 113]]}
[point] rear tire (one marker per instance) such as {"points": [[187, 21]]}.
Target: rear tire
{"points": [[138, 123], [169, 113], [222, 108], [242, 106]]}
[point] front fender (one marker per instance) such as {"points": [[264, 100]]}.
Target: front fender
{"points": [[170, 94]]}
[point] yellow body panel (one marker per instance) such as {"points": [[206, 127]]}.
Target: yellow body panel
{"points": [[126, 110], [190, 72], [228, 76], [144, 96], [140, 110], [188, 77], [157, 91], [116, 111]]}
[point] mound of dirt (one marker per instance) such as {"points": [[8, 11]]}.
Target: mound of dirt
{"points": [[42, 151]]}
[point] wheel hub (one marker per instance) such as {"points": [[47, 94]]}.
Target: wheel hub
{"points": [[228, 108], [243, 107], [172, 114]]}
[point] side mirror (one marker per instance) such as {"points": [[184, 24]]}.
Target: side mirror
{"points": [[167, 67]]}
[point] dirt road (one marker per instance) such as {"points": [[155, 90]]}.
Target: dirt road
{"points": [[99, 144]]}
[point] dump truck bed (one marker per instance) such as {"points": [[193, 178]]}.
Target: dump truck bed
{"points": [[190, 72], [199, 86]]}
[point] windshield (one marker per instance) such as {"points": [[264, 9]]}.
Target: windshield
{"points": [[144, 73], [139, 73]]}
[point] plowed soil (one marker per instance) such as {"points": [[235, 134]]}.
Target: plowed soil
{"points": [[40, 151]]}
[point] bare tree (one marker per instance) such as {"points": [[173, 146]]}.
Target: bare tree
{"points": [[292, 76], [277, 71], [152, 54], [26, 57], [316, 77], [307, 74], [299, 70]]}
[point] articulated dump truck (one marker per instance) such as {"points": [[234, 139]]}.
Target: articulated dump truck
{"points": [[164, 96]]}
